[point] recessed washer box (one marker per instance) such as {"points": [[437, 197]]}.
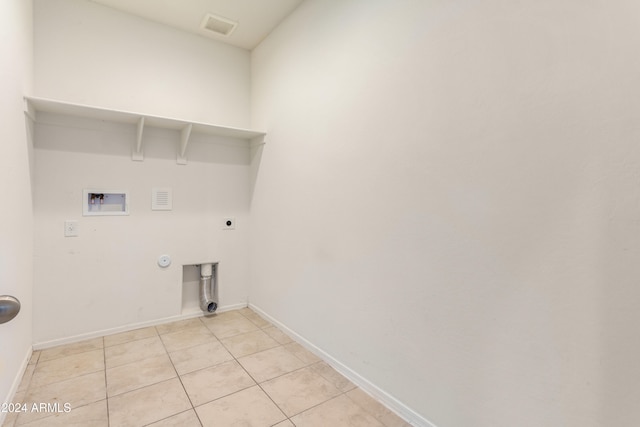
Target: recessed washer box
{"points": [[104, 202]]}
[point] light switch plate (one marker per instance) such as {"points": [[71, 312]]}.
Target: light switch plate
{"points": [[71, 228]]}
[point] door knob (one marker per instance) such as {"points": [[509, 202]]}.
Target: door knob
{"points": [[9, 308]]}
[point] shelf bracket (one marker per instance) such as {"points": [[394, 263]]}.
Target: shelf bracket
{"points": [[29, 110], [137, 155], [257, 141], [184, 141]]}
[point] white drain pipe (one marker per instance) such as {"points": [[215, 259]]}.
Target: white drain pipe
{"points": [[208, 298]]}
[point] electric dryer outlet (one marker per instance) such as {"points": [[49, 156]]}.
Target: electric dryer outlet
{"points": [[229, 223]]}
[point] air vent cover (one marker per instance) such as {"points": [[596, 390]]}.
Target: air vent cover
{"points": [[218, 25], [161, 199]]}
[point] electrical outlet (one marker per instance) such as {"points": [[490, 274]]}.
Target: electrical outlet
{"points": [[71, 228], [229, 224]]}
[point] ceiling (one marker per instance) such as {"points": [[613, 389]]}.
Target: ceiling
{"points": [[255, 18]]}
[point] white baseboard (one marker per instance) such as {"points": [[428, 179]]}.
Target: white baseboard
{"points": [[76, 338], [377, 393], [16, 383]]}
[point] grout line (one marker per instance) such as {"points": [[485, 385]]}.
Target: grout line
{"points": [[31, 387], [106, 394], [67, 355], [181, 383], [341, 392], [226, 395], [166, 418], [287, 418], [138, 361], [255, 381], [139, 388], [129, 341]]}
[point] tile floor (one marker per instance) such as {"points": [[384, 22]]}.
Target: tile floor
{"points": [[230, 369]]}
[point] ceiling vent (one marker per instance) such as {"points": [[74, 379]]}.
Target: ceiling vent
{"points": [[214, 24]]}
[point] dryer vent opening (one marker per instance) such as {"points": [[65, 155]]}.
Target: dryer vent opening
{"points": [[208, 288]]}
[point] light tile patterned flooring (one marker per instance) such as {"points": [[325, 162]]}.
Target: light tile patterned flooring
{"points": [[229, 369]]}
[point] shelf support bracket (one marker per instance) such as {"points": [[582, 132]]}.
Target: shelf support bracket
{"points": [[137, 155], [258, 141], [29, 110], [184, 141]]}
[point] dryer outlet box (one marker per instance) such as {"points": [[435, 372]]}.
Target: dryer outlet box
{"points": [[229, 223]]}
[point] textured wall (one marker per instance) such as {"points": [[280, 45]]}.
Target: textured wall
{"points": [[108, 276], [448, 202], [90, 54], [16, 225]]}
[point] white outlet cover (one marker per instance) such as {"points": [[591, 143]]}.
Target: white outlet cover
{"points": [[164, 261]]}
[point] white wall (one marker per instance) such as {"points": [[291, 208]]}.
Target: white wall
{"points": [[16, 219], [90, 54], [107, 277], [448, 203]]}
